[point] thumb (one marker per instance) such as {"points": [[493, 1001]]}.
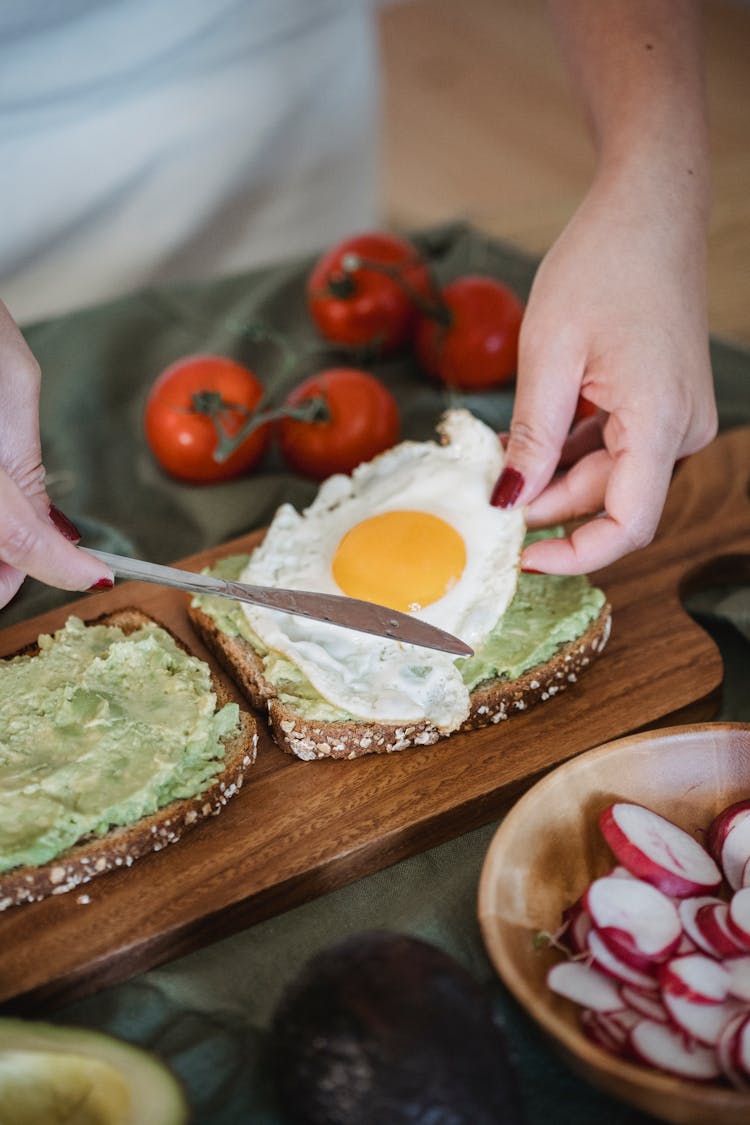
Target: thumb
{"points": [[546, 395]]}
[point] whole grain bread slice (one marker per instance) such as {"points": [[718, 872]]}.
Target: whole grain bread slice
{"points": [[122, 845], [491, 701]]}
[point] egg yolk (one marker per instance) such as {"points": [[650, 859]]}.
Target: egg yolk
{"points": [[403, 560]]}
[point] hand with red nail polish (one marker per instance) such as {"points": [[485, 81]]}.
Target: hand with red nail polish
{"points": [[35, 537], [617, 311]]}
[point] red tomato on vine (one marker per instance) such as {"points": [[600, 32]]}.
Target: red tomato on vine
{"points": [[470, 341], [360, 419], [362, 291], [195, 410]]}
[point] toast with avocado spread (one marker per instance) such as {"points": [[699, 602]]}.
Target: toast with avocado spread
{"points": [[114, 741], [553, 629]]}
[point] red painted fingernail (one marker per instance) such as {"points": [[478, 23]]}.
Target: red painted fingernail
{"points": [[102, 584], [508, 489], [529, 570], [64, 525]]}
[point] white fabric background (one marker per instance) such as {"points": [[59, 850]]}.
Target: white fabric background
{"points": [[158, 140]]}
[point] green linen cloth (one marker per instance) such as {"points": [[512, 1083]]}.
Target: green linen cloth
{"points": [[206, 1013]]}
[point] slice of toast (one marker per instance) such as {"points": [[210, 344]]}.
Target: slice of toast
{"points": [[491, 701], [123, 844]]}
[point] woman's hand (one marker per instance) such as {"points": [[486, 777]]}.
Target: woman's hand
{"points": [[618, 308], [616, 313], [35, 538]]}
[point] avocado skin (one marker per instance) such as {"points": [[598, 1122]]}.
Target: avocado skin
{"points": [[386, 1029]]}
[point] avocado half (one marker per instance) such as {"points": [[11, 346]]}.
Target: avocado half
{"points": [[50, 1075], [386, 1028]]}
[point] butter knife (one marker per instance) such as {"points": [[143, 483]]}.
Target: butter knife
{"points": [[351, 613]]}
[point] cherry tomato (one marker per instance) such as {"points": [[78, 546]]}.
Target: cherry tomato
{"points": [[363, 305], [477, 344], [178, 420], [363, 421]]}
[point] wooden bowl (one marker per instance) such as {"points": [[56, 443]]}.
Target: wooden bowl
{"points": [[549, 848]]}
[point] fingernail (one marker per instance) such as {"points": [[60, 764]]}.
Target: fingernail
{"points": [[102, 584], [508, 489], [530, 570], [64, 525]]}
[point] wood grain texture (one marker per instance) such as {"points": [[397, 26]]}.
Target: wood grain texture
{"points": [[548, 850], [300, 829]]}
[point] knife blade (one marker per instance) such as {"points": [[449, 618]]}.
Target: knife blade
{"points": [[350, 613]]}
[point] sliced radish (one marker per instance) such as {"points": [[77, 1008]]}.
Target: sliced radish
{"points": [[735, 851], [645, 1004], [696, 977], [664, 1047], [655, 849], [738, 918], [579, 931], [637, 921], [721, 825], [739, 977], [712, 921], [703, 1022], [585, 985], [687, 909], [592, 1027], [745, 881], [686, 945], [726, 1051], [742, 1046], [606, 960], [624, 1019]]}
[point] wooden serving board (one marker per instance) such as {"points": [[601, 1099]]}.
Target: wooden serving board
{"points": [[300, 829]]}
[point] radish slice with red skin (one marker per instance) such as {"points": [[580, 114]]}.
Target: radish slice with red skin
{"points": [[646, 1004], [585, 985], [735, 851], [721, 825], [579, 931], [712, 921], [726, 1051], [593, 1029], [622, 946], [637, 921], [738, 918], [745, 881], [703, 1022], [739, 978], [687, 945], [664, 1047], [697, 977], [655, 849], [625, 1019], [606, 960], [687, 909], [742, 1046]]}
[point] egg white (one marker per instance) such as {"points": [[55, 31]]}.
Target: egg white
{"points": [[376, 678]]}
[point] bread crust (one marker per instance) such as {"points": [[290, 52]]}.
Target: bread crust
{"points": [[491, 702], [123, 845]]}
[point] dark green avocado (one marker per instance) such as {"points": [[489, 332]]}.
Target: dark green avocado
{"points": [[385, 1029]]}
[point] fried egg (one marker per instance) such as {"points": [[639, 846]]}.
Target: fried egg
{"points": [[413, 530]]}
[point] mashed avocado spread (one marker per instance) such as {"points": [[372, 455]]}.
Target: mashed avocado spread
{"points": [[546, 611], [100, 729]]}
